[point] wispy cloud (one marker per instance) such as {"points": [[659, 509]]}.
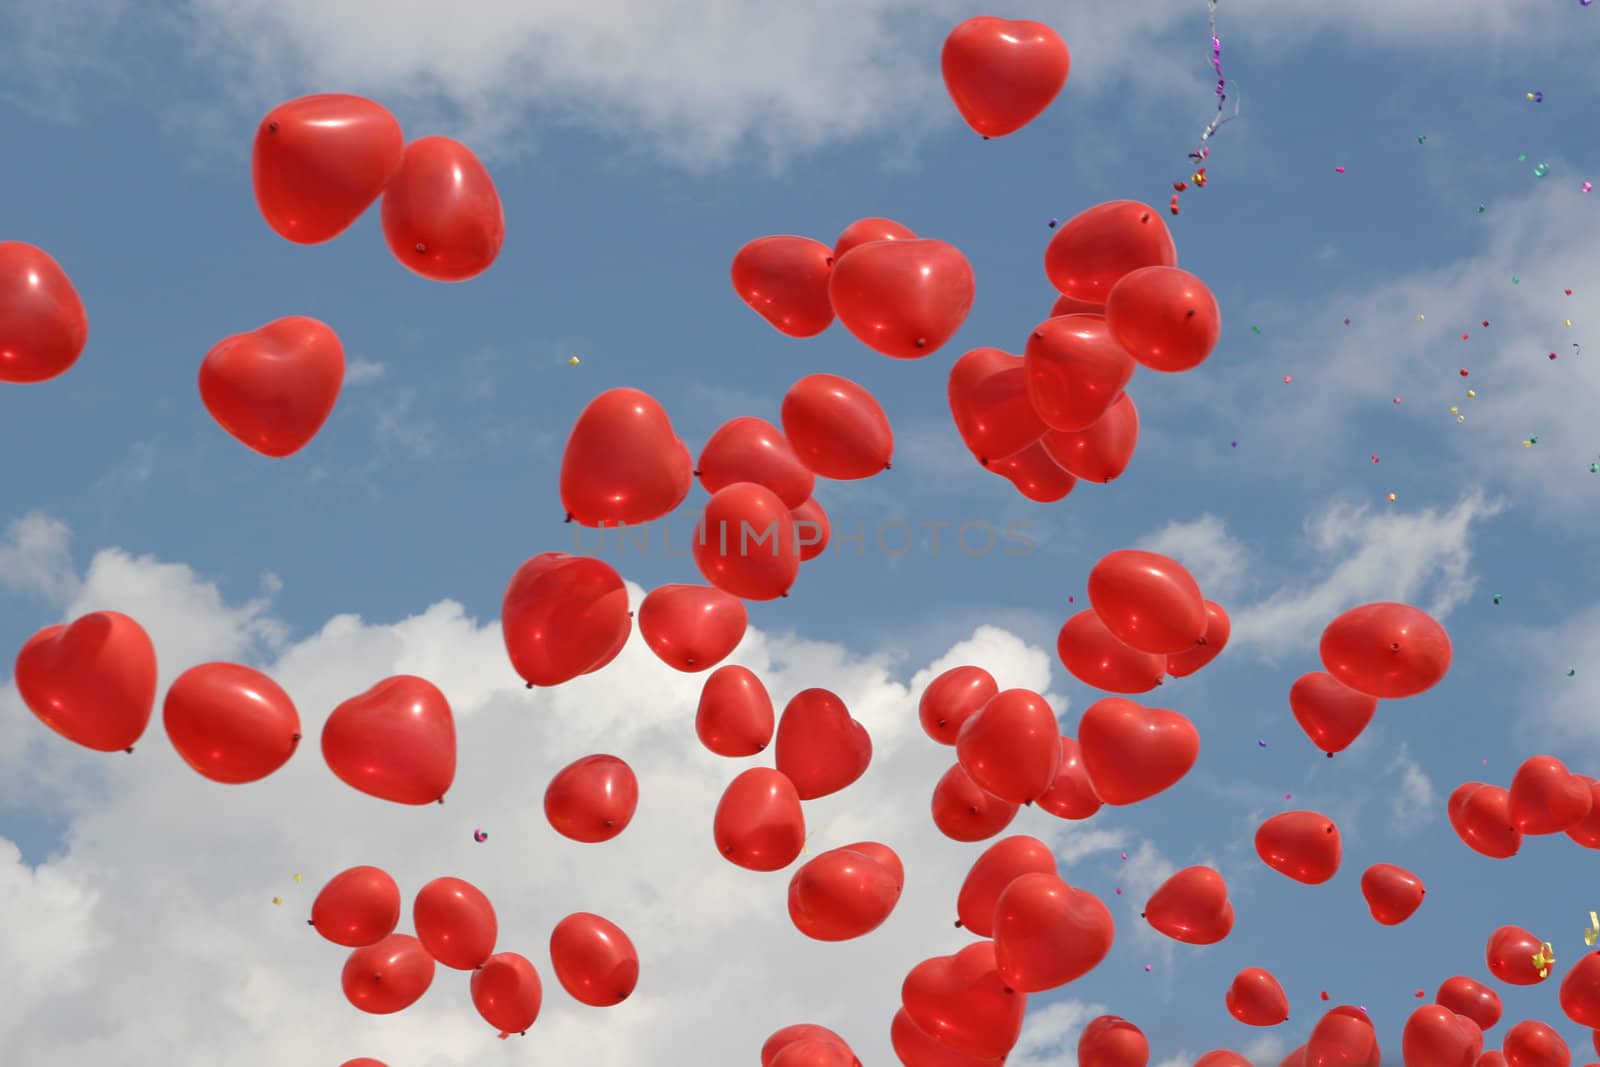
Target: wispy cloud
{"points": [[360, 372], [36, 559]]}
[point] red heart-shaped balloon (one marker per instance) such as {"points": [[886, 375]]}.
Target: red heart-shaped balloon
{"points": [[902, 298], [441, 213], [1071, 795], [791, 1035], [507, 992], [964, 812], [1035, 475], [1066, 305], [810, 1052], [1580, 991], [623, 464], [564, 616], [274, 387], [915, 1047], [358, 907], [746, 543], [1076, 370], [758, 824], [230, 723], [1192, 906], [1094, 656], [1149, 601], [1096, 248], [1101, 452], [962, 1003], [1330, 712], [1112, 1041], [951, 699], [821, 749], [1480, 814], [389, 976], [811, 529], [43, 326], [1000, 864], [1344, 1037], [1164, 317], [844, 893], [784, 279], [691, 627], [455, 922], [1386, 650], [594, 960], [92, 681], [1134, 752], [1509, 954], [1046, 933], [1435, 1036], [1222, 1057], [734, 717], [592, 799], [837, 428], [1303, 845], [753, 450], [1255, 998], [1218, 629], [396, 741], [1531, 1043], [1586, 831], [320, 161], [988, 394], [862, 231], [1393, 893], [1476, 1001], [1002, 73], [1546, 798], [1012, 746]]}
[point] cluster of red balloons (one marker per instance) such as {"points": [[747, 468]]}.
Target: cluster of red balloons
{"points": [[1544, 798]]}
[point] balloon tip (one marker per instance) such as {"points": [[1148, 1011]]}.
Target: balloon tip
{"points": [[828, 261], [528, 686], [888, 466], [611, 824], [958, 924], [272, 127], [983, 461], [129, 750], [1189, 314], [1145, 217], [922, 342], [1330, 755], [568, 518], [294, 738], [440, 800], [697, 474]]}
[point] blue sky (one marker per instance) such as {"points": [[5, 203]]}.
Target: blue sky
{"points": [[629, 185]]}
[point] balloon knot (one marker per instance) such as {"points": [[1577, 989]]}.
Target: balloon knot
{"points": [[986, 138], [689, 662], [1141, 915], [888, 466], [975, 809], [1189, 314], [272, 127], [568, 518], [528, 686], [294, 738], [1037, 336], [422, 248], [1394, 646], [1201, 641], [828, 261], [1330, 755], [129, 750], [983, 461], [922, 342], [941, 724], [311, 922], [696, 474], [440, 800], [1145, 217], [611, 824], [958, 924], [1328, 829]]}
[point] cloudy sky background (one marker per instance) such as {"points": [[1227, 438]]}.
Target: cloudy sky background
{"points": [[636, 146]]}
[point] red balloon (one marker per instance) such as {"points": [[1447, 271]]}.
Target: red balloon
{"points": [[821, 749], [1002, 73], [1510, 954], [1393, 893], [1218, 629], [837, 428], [1386, 650], [1094, 656], [1438, 1037], [1035, 475], [988, 394], [1012, 746], [230, 723], [396, 741], [357, 908], [1072, 795], [273, 388], [811, 529], [1222, 1057], [1095, 249], [962, 1002], [1586, 831], [592, 799], [594, 960], [1066, 305], [1164, 317], [1297, 1058], [746, 544], [455, 922], [563, 616], [952, 698], [748, 449], [1303, 845], [320, 161], [1112, 1041], [964, 812], [623, 464], [1101, 452], [1076, 370], [691, 627], [1463, 996], [92, 681], [904, 299], [1491, 1058], [1580, 991], [735, 716], [389, 976], [785, 280], [1047, 933], [1256, 999], [1133, 752], [507, 992], [809, 1052], [844, 893], [1343, 1038], [363, 1061], [791, 1035], [874, 228], [1192, 906], [1001, 864], [1546, 798], [759, 825], [441, 213], [1480, 814], [43, 326], [919, 1050], [1330, 712], [1150, 602], [1531, 1043]]}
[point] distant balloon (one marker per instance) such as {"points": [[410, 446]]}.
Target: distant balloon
{"points": [[43, 326]]}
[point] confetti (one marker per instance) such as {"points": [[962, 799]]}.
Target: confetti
{"points": [[1566, 322], [1422, 139], [1347, 322], [1233, 444], [1288, 796], [1515, 280], [1338, 170], [297, 879], [574, 361], [1147, 968], [1261, 744], [1472, 394], [1541, 169], [1053, 223], [1324, 995], [1497, 598], [1422, 318], [1287, 378], [1255, 329], [1481, 209], [1571, 672], [1544, 959], [1217, 121], [1552, 355], [1463, 372], [1124, 855], [1397, 400], [1536, 97], [479, 836], [1390, 498], [1119, 890], [1419, 994], [1374, 459], [277, 901], [1592, 930], [1588, 187], [1463, 337]]}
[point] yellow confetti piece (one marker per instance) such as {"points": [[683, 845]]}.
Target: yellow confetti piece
{"points": [[574, 361], [297, 879], [277, 901], [1568, 322], [1592, 930], [1419, 318], [1471, 394], [1544, 959]]}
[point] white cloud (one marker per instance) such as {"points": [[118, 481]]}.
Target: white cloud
{"points": [[1050, 1034], [1412, 802], [362, 371], [1215, 558], [36, 558], [157, 907]]}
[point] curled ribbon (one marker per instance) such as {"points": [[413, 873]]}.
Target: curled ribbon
{"points": [[1592, 930], [1544, 959]]}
